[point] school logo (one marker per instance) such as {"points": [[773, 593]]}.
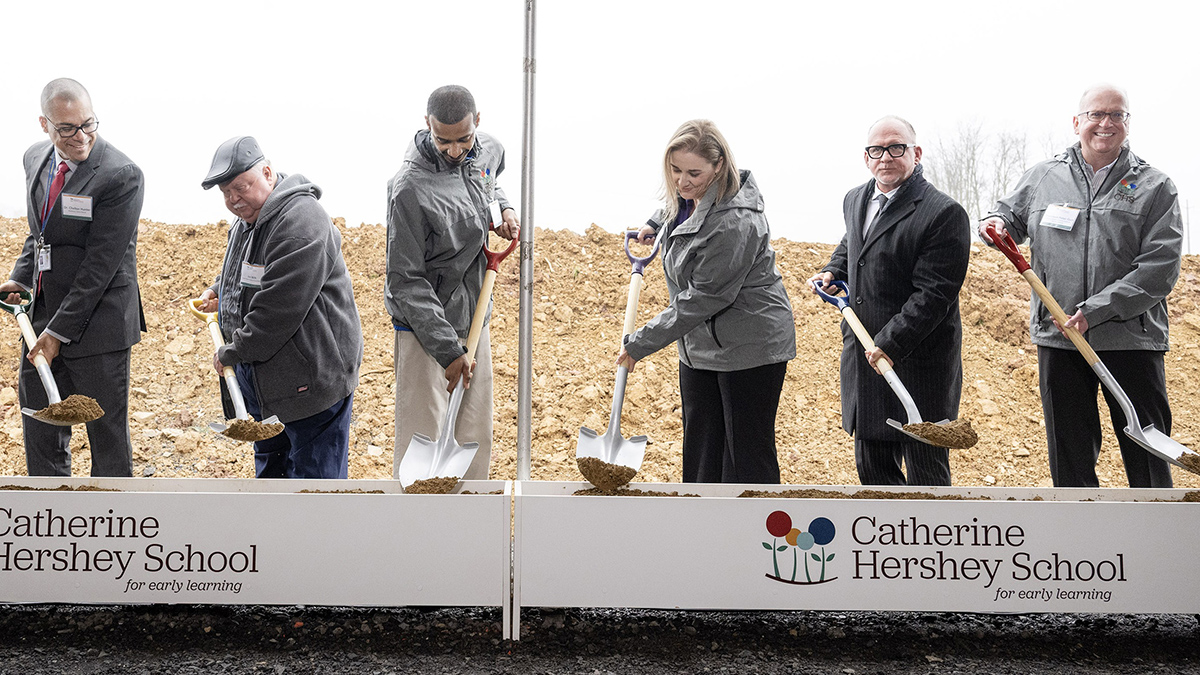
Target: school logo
{"points": [[1125, 190], [804, 548], [486, 177]]}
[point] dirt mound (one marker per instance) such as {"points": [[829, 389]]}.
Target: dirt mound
{"points": [[580, 285]]}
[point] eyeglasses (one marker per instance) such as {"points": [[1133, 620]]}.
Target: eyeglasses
{"points": [[69, 130], [1117, 116], [895, 150]]}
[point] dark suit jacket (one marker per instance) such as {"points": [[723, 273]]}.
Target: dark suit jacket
{"points": [[91, 291], [904, 282]]}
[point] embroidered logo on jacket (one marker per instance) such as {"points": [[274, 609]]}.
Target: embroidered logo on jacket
{"points": [[1125, 190]]}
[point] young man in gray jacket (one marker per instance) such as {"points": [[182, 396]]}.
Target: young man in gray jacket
{"points": [[438, 218], [287, 307], [1106, 234]]}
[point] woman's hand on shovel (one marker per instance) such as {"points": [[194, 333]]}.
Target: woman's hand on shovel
{"points": [[47, 345], [462, 369]]}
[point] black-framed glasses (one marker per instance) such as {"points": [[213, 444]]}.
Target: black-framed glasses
{"points": [[1118, 116], [69, 130], [895, 150]]}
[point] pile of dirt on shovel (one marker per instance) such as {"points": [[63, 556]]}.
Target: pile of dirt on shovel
{"points": [[580, 286]]}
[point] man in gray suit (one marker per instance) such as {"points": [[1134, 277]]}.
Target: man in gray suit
{"points": [[904, 257], [79, 261]]}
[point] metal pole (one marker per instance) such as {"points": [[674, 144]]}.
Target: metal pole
{"points": [[525, 357]]}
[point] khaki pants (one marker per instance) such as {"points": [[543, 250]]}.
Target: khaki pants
{"points": [[421, 401]]}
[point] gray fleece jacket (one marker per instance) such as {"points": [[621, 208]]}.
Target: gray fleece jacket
{"points": [[437, 224], [729, 310], [300, 331], [1116, 263]]}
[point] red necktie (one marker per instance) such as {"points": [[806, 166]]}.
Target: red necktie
{"points": [[55, 188]]}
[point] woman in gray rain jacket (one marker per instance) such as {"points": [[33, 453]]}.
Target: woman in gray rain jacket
{"points": [[729, 313]]}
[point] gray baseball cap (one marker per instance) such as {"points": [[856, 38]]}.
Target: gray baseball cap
{"points": [[234, 157]]}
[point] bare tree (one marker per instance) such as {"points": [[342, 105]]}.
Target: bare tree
{"points": [[978, 168]]}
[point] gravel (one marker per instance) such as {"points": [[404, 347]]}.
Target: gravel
{"points": [[208, 639]]}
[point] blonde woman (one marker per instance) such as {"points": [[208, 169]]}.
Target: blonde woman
{"points": [[729, 313]]}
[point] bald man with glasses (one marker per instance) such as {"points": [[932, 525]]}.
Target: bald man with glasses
{"points": [[1106, 234], [904, 257], [79, 262]]}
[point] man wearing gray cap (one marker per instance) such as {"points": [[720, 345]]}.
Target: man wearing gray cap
{"points": [[285, 303], [79, 262]]}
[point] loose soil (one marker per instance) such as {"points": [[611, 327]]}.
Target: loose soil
{"points": [[252, 431], [957, 434], [580, 285], [604, 475], [74, 409], [442, 485]]}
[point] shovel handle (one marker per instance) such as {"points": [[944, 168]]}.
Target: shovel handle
{"points": [[839, 301], [864, 337], [494, 257], [639, 264], [214, 331], [194, 307], [1009, 248], [631, 304], [20, 307]]}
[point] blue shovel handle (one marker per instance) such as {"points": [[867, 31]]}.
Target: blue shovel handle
{"points": [[839, 301]]}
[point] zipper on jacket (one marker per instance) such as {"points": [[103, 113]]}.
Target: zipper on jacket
{"points": [[712, 330]]}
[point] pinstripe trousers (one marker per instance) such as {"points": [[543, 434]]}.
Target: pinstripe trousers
{"points": [[879, 463]]}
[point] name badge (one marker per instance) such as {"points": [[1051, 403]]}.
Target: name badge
{"points": [[1060, 217], [252, 275], [77, 207], [497, 220], [43, 258]]}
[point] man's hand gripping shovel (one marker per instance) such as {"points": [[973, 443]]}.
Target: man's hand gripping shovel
{"points": [[609, 460], [445, 458], [1153, 440], [77, 409], [242, 427], [944, 434]]}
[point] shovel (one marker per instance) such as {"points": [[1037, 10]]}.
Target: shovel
{"points": [[944, 434], [445, 458], [77, 409], [242, 428], [610, 447], [1153, 440]]}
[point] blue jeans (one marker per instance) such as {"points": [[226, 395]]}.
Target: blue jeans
{"points": [[317, 446]]}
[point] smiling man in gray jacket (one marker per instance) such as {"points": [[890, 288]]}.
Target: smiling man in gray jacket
{"points": [[438, 218], [1106, 235], [287, 306]]}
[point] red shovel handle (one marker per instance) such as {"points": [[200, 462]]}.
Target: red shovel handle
{"points": [[1007, 246], [494, 257]]}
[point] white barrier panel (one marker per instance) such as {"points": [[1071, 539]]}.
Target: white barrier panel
{"points": [[249, 542], [1002, 553]]}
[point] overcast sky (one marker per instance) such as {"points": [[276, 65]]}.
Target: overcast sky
{"points": [[336, 90]]}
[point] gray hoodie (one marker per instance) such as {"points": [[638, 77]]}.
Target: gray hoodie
{"points": [[300, 331], [437, 225], [729, 310], [1118, 261]]}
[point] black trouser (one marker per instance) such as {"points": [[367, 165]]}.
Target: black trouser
{"points": [[103, 377], [729, 424], [1068, 386], [879, 463]]}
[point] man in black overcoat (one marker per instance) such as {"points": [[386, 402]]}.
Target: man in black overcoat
{"points": [[904, 256]]}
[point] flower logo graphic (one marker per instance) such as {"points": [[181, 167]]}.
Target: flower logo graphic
{"points": [[820, 532]]}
